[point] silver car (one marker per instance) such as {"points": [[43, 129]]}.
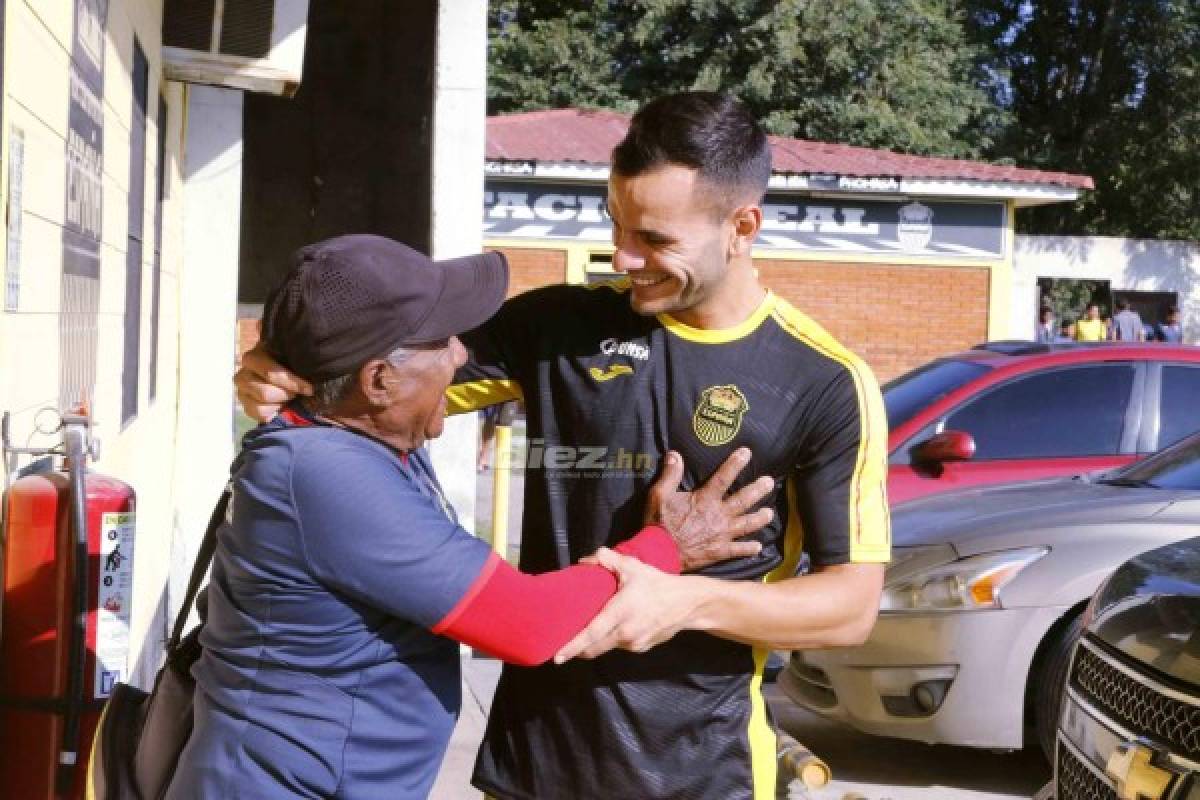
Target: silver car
{"points": [[982, 602]]}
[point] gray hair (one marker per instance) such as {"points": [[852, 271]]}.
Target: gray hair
{"points": [[331, 391]]}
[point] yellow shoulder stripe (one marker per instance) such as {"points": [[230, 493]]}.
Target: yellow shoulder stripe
{"points": [[472, 396], [721, 335], [870, 522]]}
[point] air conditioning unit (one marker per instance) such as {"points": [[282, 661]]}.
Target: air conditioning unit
{"points": [[255, 45]]}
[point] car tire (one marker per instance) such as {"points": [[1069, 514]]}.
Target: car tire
{"points": [[1052, 681]]}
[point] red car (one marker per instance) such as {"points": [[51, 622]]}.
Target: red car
{"points": [[1010, 411]]}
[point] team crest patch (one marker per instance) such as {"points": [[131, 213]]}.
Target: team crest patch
{"points": [[718, 417]]}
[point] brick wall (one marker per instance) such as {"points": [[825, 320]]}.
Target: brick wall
{"points": [[896, 317], [530, 268]]}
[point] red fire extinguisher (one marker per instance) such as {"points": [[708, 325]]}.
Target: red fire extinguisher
{"points": [[64, 640]]}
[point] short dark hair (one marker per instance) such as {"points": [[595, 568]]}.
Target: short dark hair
{"points": [[710, 132], [1123, 304]]}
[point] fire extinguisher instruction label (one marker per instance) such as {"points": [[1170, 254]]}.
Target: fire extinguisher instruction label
{"points": [[114, 597]]}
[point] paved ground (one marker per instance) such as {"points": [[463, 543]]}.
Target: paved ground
{"points": [[878, 769]]}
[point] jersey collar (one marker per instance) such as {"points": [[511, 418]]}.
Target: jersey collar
{"points": [[721, 335]]}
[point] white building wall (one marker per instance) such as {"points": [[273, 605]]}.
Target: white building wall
{"points": [[460, 109], [1131, 264], [142, 451]]}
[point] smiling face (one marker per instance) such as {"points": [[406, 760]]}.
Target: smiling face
{"points": [[671, 240]]}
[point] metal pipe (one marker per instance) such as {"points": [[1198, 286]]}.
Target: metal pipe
{"points": [[800, 763], [501, 475], [75, 432]]}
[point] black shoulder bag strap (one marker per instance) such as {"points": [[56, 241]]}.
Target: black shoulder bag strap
{"points": [[204, 556]]}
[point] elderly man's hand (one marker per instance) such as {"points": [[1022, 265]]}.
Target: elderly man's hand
{"points": [[706, 523], [264, 385], [649, 607]]}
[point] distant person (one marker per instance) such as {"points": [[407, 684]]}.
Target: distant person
{"points": [[1090, 328], [1127, 324], [1170, 330], [487, 435], [1047, 331], [1066, 332]]}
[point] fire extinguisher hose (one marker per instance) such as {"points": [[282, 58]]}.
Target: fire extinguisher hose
{"points": [[68, 756]]}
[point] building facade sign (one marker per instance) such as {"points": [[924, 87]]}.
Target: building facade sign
{"points": [[869, 226], [83, 218]]}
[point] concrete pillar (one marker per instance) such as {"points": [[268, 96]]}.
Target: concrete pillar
{"points": [[212, 175], [459, 127]]}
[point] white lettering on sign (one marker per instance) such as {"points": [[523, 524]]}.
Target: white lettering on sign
{"points": [[555, 207], [86, 100], [817, 219], [854, 224], [779, 217], [589, 209], [868, 184], [84, 189], [114, 598], [511, 205], [89, 32]]}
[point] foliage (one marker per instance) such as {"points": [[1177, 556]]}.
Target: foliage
{"points": [[1108, 88], [879, 73]]}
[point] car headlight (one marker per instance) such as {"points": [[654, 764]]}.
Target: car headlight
{"points": [[965, 584]]}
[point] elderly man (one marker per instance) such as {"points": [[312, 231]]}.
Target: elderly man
{"points": [[323, 672]]}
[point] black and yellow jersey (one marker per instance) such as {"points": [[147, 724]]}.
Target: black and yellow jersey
{"points": [[607, 393]]}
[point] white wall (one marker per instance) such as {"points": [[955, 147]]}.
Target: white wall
{"points": [[39, 39], [1131, 264], [460, 112], [212, 192]]}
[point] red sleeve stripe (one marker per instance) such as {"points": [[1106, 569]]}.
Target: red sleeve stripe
{"points": [[526, 619], [472, 592]]}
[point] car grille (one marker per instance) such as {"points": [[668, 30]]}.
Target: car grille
{"points": [[1137, 707], [1077, 782]]}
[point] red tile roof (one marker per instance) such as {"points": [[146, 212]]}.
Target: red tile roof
{"points": [[587, 137]]}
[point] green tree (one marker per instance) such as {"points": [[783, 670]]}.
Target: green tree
{"points": [[880, 73], [1108, 88]]}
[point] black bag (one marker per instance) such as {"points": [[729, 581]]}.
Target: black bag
{"points": [[141, 734]]}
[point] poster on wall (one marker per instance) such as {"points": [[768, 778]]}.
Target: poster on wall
{"points": [[909, 227], [82, 218], [114, 599]]}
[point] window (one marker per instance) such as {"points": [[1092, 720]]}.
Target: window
{"points": [[140, 76], [1077, 411], [903, 397], [156, 282], [1174, 468], [1179, 412], [599, 268]]}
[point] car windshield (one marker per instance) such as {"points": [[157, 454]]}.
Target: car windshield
{"points": [[1177, 467], [905, 396]]}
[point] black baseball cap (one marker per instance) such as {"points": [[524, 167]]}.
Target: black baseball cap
{"points": [[353, 298]]}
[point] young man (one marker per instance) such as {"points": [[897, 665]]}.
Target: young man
{"points": [[1047, 331], [1090, 327], [691, 354], [1170, 330], [1127, 324]]}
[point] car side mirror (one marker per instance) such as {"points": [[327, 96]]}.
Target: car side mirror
{"points": [[945, 446]]}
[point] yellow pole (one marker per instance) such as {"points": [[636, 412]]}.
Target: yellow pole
{"points": [[502, 470]]}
